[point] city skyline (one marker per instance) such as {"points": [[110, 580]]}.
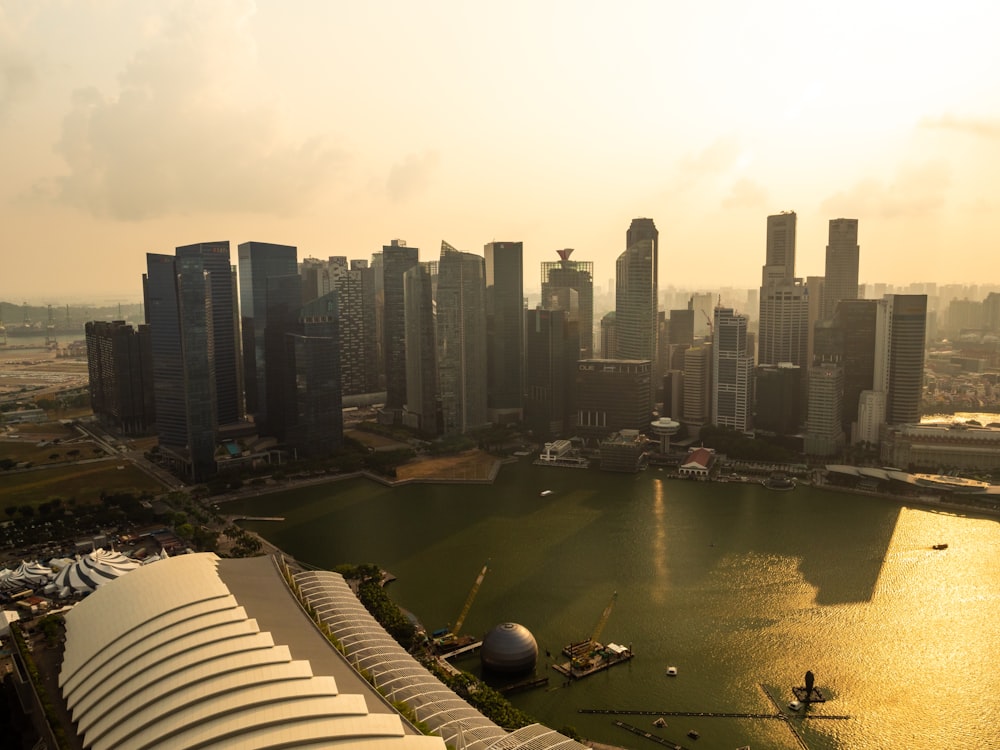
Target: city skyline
{"points": [[258, 123]]}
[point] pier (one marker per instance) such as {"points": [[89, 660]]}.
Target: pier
{"points": [[781, 715]]}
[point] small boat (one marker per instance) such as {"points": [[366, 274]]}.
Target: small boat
{"points": [[661, 722], [940, 546], [693, 734], [672, 671], [795, 705], [545, 493]]}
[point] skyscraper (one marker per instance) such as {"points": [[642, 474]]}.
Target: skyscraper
{"points": [[312, 413], [842, 257], [551, 353], [907, 331], [569, 285], [283, 303], [461, 340], [697, 406], [120, 366], [779, 263], [258, 262], [783, 328], [397, 259], [824, 431], [732, 370], [227, 364], [636, 293], [178, 302], [505, 330], [422, 411], [355, 289]]}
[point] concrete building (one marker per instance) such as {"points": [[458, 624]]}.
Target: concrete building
{"points": [[824, 430], [461, 340], [732, 371], [551, 353], [783, 324], [569, 285], [907, 317], [636, 292], [697, 407], [358, 337], [778, 407], [942, 447], [842, 261], [611, 395], [120, 370], [504, 331]]}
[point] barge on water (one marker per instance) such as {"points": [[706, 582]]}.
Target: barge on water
{"points": [[595, 658]]}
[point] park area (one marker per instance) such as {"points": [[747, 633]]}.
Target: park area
{"points": [[84, 482], [468, 465]]}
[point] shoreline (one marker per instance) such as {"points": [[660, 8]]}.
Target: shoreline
{"points": [[287, 485]]}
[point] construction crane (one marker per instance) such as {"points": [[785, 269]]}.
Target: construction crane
{"points": [[604, 619], [708, 320], [448, 637], [468, 601], [580, 649]]}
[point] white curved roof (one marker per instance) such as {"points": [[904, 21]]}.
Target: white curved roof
{"points": [[167, 657], [402, 678], [84, 574]]}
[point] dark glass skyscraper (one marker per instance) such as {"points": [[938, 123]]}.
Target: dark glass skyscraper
{"points": [[221, 295], [258, 262], [505, 330], [461, 340], [397, 259], [178, 300], [551, 353], [907, 332], [313, 415]]}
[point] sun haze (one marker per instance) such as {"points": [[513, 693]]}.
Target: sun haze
{"points": [[134, 126]]}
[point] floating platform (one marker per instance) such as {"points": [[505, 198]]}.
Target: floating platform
{"points": [[596, 659], [815, 696]]}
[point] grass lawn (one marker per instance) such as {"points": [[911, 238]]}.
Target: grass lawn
{"points": [[23, 450], [84, 482], [374, 440], [470, 464]]}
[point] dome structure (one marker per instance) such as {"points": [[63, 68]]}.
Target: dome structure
{"points": [[509, 648]]}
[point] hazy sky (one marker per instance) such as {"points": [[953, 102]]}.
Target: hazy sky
{"points": [[134, 126]]}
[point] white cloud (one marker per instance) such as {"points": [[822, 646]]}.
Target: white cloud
{"points": [[17, 73], [915, 191], [411, 175], [178, 137]]}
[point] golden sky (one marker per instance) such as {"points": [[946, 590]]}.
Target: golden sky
{"points": [[134, 126]]}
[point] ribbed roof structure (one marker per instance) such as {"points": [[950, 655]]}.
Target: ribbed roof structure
{"points": [[167, 657], [84, 574], [402, 678], [30, 574]]}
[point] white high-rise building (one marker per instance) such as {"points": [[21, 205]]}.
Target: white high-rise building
{"points": [[732, 371]]}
